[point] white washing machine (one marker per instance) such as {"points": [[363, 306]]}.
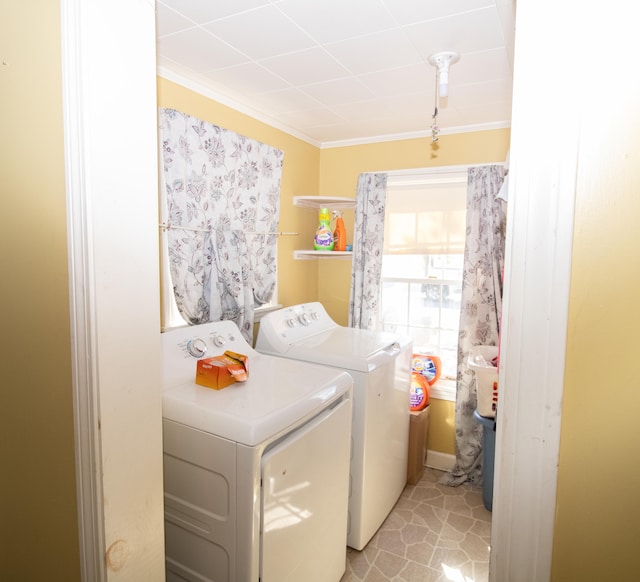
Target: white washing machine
{"points": [[380, 364], [255, 475]]}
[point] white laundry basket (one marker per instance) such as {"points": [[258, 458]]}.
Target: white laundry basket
{"points": [[479, 361]]}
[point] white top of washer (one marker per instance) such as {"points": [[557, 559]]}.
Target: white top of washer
{"points": [[306, 332], [278, 395]]}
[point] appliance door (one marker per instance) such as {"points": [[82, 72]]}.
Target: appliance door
{"points": [[380, 445], [305, 487]]}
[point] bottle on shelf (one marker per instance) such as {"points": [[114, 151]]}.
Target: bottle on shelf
{"points": [[323, 239], [340, 233]]}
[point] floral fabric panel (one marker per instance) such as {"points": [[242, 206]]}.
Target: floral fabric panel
{"points": [[368, 239], [481, 309], [222, 204]]}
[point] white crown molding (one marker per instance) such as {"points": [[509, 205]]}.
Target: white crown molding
{"points": [[414, 135], [189, 82]]}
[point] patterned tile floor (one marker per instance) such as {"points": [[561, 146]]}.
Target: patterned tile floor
{"points": [[435, 533]]}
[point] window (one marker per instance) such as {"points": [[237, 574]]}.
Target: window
{"points": [[423, 261]]}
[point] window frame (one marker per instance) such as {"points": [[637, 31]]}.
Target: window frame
{"points": [[445, 388]]}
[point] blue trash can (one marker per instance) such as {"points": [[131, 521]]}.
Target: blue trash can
{"points": [[488, 456]]}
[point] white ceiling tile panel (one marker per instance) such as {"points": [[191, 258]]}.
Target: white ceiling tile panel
{"points": [[201, 11], [169, 21], [375, 52], [481, 94], [261, 33], [421, 104], [288, 100], [363, 110], [335, 20], [412, 11], [402, 80], [483, 113], [198, 50], [305, 67], [462, 33], [335, 70], [249, 78], [480, 66], [348, 90]]}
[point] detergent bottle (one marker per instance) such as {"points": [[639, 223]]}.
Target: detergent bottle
{"points": [[339, 234], [323, 240]]}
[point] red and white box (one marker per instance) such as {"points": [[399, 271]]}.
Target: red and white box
{"points": [[222, 371]]}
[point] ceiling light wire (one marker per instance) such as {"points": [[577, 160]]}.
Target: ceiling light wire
{"points": [[435, 130]]}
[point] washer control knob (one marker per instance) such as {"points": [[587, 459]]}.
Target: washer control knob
{"points": [[314, 315], [292, 322], [197, 347], [304, 319], [219, 341]]}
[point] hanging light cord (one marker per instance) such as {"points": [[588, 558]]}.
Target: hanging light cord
{"points": [[435, 130]]}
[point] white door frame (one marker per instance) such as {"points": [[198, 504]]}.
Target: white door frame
{"points": [[110, 127], [86, 397], [542, 188]]}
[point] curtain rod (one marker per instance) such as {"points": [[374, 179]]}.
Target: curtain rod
{"points": [[166, 226]]}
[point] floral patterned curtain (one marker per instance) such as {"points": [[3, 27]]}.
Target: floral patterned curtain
{"points": [[368, 239], [481, 309], [222, 199]]}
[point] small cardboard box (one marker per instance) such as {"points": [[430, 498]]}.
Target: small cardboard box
{"points": [[418, 429], [221, 371]]}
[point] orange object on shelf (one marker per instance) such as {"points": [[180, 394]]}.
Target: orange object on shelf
{"points": [[428, 365], [340, 233], [419, 393]]}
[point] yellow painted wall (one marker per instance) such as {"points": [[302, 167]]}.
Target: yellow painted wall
{"points": [[340, 166], [442, 427], [38, 518], [598, 500]]}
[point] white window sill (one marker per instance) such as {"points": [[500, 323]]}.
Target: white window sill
{"points": [[444, 389]]}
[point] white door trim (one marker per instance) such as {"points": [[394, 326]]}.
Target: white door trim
{"points": [[82, 301], [542, 187], [111, 151]]}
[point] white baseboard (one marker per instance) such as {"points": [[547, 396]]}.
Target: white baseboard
{"points": [[440, 461]]}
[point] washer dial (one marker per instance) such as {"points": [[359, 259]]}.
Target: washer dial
{"points": [[197, 347], [219, 341]]}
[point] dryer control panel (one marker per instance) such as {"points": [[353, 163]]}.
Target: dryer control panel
{"points": [[182, 346], [282, 328]]}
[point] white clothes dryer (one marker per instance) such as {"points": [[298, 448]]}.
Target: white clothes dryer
{"points": [[256, 474], [380, 364]]}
